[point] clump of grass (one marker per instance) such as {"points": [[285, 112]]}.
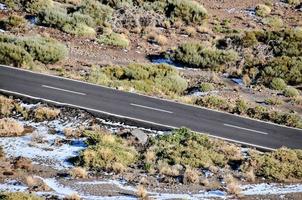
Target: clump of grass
{"points": [[232, 185], [206, 87], [278, 84], [10, 127], [141, 193], [46, 113], [6, 105], [274, 101], [74, 196], [157, 38], [114, 39], [213, 102], [291, 92], [262, 10], [191, 176], [18, 196], [78, 172], [107, 152], [281, 165], [274, 22], [165, 169]]}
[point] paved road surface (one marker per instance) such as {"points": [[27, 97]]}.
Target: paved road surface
{"points": [[149, 110]]}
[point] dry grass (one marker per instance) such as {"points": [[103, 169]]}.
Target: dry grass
{"points": [[46, 113], [167, 170], [232, 185], [78, 172], [141, 193], [72, 197], [71, 133], [190, 30], [37, 138], [191, 176], [118, 167], [150, 156], [250, 175], [10, 128], [6, 105], [157, 38], [31, 181]]}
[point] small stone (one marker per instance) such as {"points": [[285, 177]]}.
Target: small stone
{"points": [[140, 136]]}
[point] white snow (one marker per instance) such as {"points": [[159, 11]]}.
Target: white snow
{"points": [[12, 186], [3, 6], [265, 189], [48, 152]]}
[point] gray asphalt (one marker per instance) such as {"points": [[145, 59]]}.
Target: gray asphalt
{"points": [[166, 113]]}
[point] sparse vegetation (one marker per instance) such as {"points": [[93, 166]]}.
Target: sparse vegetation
{"points": [[291, 92], [10, 127], [19, 196], [78, 172], [278, 84], [206, 87], [156, 79], [114, 39], [45, 113], [262, 10], [6, 106], [106, 150]]}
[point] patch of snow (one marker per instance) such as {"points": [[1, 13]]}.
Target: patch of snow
{"points": [[238, 81], [58, 188], [12, 186], [265, 189], [2, 31], [48, 152], [28, 106], [3, 6]]}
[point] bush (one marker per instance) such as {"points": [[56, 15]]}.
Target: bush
{"points": [[78, 172], [274, 101], [79, 30], [286, 68], [262, 10], [11, 54], [281, 165], [45, 113], [14, 22], [241, 107], [195, 55], [291, 92], [10, 128], [187, 10], [159, 79], [273, 22], [6, 106], [114, 39], [213, 102], [19, 196], [206, 87], [105, 150], [293, 2], [36, 6], [191, 176], [190, 149], [278, 84], [45, 50]]}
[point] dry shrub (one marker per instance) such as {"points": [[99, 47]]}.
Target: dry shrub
{"points": [[190, 176], [36, 184], [37, 138], [190, 30], [10, 128], [72, 197], [205, 182], [150, 156], [141, 193], [31, 181], [45, 113], [166, 169], [71, 133], [6, 106], [118, 167], [232, 185], [78, 172], [157, 38], [250, 175]]}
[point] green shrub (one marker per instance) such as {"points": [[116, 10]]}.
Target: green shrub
{"points": [[249, 39], [288, 119], [273, 22], [293, 2], [281, 165], [18, 196], [187, 10], [278, 84], [159, 79], [11, 54], [106, 150], [79, 18], [191, 149], [99, 12], [286, 68], [36, 6], [114, 39], [213, 102], [262, 10], [206, 87], [291, 92], [258, 112], [241, 107], [45, 50], [274, 101], [54, 18], [14, 21], [195, 55], [79, 30]]}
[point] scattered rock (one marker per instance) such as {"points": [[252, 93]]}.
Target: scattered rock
{"points": [[140, 136]]}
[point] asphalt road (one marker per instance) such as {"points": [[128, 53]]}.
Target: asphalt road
{"points": [[148, 110]]}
